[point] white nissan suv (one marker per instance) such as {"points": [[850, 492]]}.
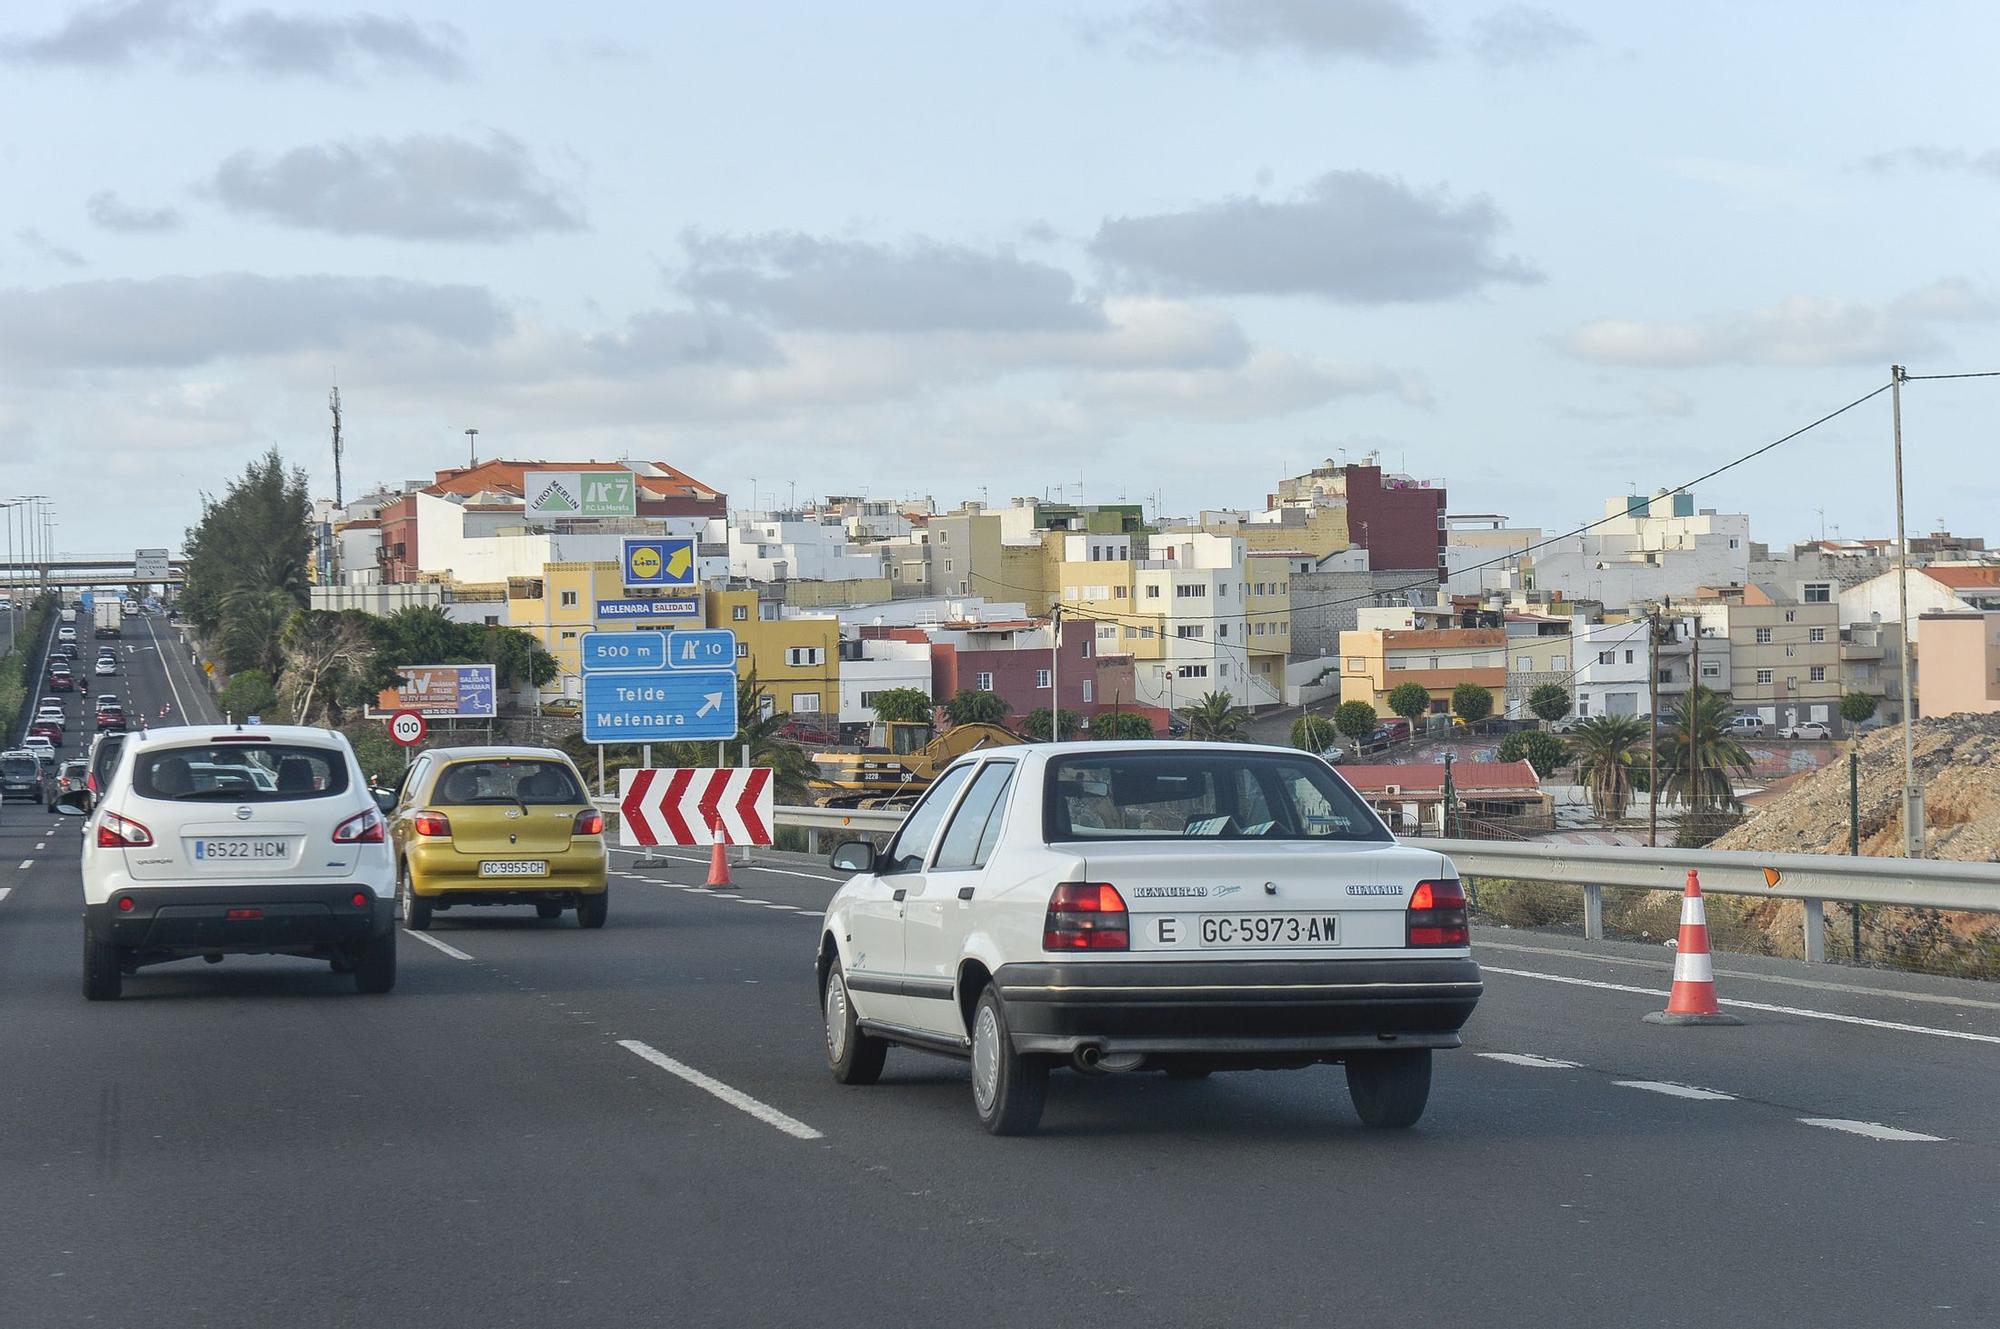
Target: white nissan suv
{"points": [[216, 841], [1118, 907]]}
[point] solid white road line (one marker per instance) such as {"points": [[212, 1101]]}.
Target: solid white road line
{"points": [[1872, 1130], [167, 668], [429, 940], [1528, 1059], [1818, 985], [736, 1098], [1895, 1025], [1675, 1090]]}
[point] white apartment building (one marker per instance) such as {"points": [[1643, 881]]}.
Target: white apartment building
{"points": [[1189, 601], [872, 666], [1941, 588], [772, 547], [483, 539], [1648, 550], [1617, 664], [1482, 552]]}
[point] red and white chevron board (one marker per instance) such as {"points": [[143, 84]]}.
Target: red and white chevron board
{"points": [[694, 807]]}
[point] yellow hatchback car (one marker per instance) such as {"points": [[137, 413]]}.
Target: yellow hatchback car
{"points": [[497, 825]]}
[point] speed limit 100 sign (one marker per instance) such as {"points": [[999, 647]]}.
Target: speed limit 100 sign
{"points": [[407, 728]]}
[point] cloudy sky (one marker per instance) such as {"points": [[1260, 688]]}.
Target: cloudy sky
{"points": [[1114, 247]]}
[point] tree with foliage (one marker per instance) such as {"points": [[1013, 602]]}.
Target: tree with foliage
{"points": [[1543, 751], [425, 634], [905, 705], [1857, 708], [329, 666], [253, 628], [1550, 702], [1120, 724], [1410, 700], [381, 760], [971, 706], [1215, 718], [1356, 719], [1606, 748], [1312, 733], [249, 693], [255, 538], [1697, 728], [790, 765], [1471, 703], [1035, 725]]}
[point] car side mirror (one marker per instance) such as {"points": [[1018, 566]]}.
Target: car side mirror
{"points": [[76, 803], [853, 856], [385, 799]]}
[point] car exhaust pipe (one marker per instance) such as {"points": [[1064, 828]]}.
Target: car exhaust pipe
{"points": [[1087, 1057]]}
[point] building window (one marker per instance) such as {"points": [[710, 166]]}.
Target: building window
{"points": [[1607, 657], [1666, 675], [1791, 616], [1558, 663], [1629, 657], [1190, 592], [1193, 671], [1186, 630], [1118, 593], [1222, 630], [983, 682], [768, 611], [1087, 690], [801, 656], [1041, 678], [1398, 662], [743, 650], [1434, 662], [569, 636], [739, 613], [1710, 669], [1732, 542], [1815, 634], [1222, 671], [569, 599], [1791, 682], [947, 565], [1819, 593], [1817, 673], [1086, 648], [805, 703], [1791, 651], [1524, 663], [1152, 592], [1763, 676], [1354, 664], [1763, 636], [944, 537]]}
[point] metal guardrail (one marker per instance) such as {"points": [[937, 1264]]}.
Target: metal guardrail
{"points": [[1811, 878]]}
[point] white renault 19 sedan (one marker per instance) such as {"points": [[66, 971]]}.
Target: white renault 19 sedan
{"points": [[1117, 907], [213, 841]]}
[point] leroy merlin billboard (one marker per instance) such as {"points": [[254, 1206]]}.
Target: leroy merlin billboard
{"points": [[580, 493]]}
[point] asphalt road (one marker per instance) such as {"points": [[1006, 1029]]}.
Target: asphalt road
{"points": [[543, 1126]]}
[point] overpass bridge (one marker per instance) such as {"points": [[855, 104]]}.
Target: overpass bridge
{"points": [[84, 574]]}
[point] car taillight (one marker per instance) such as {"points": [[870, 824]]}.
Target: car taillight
{"points": [[1436, 916], [589, 822], [116, 832], [1086, 916], [362, 828], [360, 900], [430, 823]]}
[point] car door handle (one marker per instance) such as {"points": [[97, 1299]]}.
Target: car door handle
{"points": [[965, 892], [899, 893]]}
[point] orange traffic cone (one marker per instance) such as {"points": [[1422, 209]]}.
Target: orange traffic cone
{"points": [[718, 859], [1692, 1000]]}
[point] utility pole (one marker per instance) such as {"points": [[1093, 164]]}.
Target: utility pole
{"points": [[1913, 797], [1653, 746], [472, 448], [1447, 796], [1694, 710], [333, 400], [1055, 675]]}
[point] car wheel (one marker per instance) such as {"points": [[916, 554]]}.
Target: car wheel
{"points": [[1008, 1087], [1390, 1088], [416, 909], [102, 977], [592, 909], [853, 1056], [375, 964], [548, 909]]}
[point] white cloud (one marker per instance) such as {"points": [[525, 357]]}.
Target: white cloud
{"points": [[1522, 34], [112, 213], [1269, 383], [118, 33], [1385, 31], [42, 247], [1796, 331]]}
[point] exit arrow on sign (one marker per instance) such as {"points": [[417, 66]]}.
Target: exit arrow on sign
{"points": [[694, 807]]}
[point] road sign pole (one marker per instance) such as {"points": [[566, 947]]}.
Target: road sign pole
{"points": [[746, 766], [646, 859]]}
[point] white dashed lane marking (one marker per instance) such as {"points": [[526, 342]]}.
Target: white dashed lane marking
{"points": [[1673, 1090], [1528, 1059], [5, 891], [1872, 1130], [729, 1094], [431, 941], [26, 863]]}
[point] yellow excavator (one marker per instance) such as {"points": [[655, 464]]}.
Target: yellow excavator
{"points": [[898, 762]]}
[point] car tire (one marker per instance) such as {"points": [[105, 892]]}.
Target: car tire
{"points": [[375, 964], [1391, 1087], [1008, 1087], [591, 910], [103, 978], [854, 1057], [548, 909], [416, 909]]}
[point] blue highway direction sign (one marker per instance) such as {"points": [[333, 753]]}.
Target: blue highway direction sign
{"points": [[702, 648], [624, 651], [671, 705]]}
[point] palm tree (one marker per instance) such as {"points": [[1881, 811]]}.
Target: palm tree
{"points": [[1215, 718], [791, 767], [253, 629], [1702, 714], [1606, 747]]}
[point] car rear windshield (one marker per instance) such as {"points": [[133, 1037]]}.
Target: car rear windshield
{"points": [[1201, 794], [240, 772], [19, 768], [507, 780]]}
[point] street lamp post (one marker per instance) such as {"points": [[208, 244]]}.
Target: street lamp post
{"points": [[1913, 796]]}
